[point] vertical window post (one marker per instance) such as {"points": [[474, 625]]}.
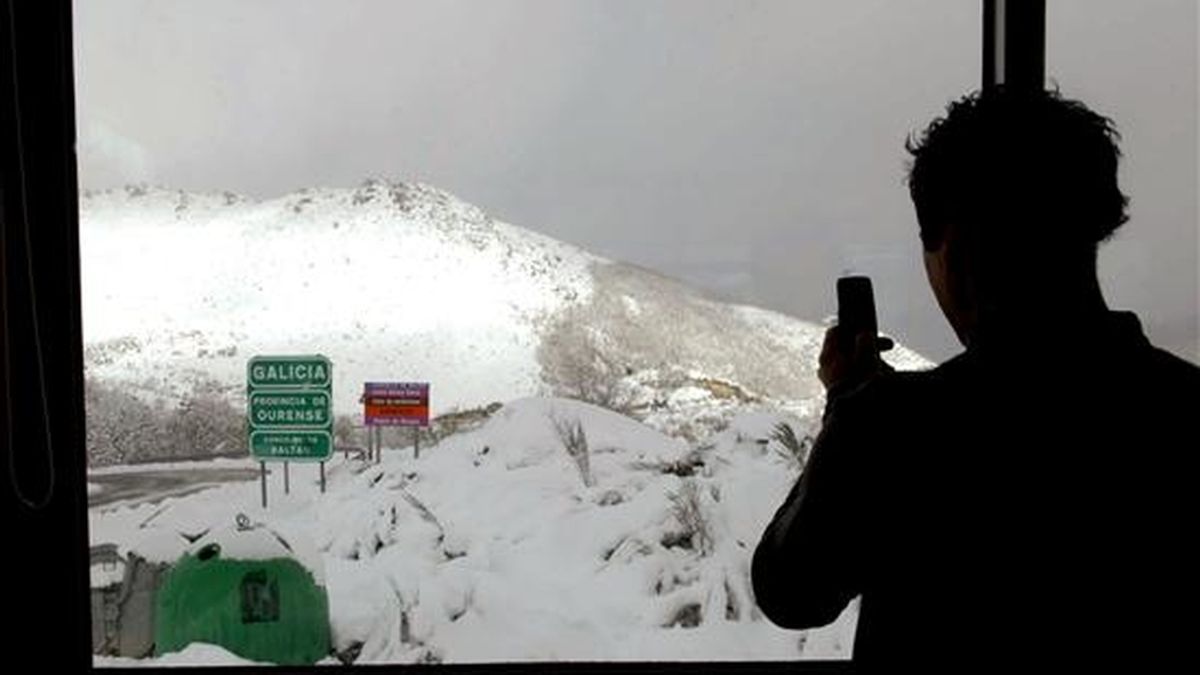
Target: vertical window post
{"points": [[1014, 44]]}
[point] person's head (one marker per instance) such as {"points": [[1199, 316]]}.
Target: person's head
{"points": [[1013, 192]]}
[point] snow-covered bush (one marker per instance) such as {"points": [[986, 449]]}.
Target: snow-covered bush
{"points": [[120, 427], [205, 424], [123, 429], [456, 421], [577, 363], [346, 432]]}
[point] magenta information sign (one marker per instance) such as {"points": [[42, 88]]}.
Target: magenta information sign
{"points": [[396, 404]]}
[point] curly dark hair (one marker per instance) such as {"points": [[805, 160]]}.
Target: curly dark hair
{"points": [[1018, 169]]}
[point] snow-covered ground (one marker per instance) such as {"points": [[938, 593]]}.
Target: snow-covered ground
{"points": [[492, 546], [195, 654]]}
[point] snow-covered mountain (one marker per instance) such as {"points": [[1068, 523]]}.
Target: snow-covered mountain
{"points": [[398, 281], [499, 542]]}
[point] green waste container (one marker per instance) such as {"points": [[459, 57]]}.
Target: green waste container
{"points": [[263, 607]]}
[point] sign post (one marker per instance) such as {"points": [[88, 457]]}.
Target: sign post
{"points": [[396, 404], [290, 410]]}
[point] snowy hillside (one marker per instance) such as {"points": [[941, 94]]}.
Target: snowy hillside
{"points": [[392, 282], [396, 281], [496, 546]]}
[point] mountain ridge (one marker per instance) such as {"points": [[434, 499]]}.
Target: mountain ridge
{"points": [[402, 281]]}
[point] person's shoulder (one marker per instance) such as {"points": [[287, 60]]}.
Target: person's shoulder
{"points": [[926, 381], [1164, 382], [895, 392], [1158, 367], [1163, 365]]}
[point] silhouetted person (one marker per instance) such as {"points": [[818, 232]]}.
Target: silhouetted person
{"points": [[1031, 498]]}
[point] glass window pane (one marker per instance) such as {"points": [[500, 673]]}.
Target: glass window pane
{"points": [[446, 331]]}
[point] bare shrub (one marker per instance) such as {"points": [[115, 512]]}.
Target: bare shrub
{"points": [[687, 509], [786, 436], [574, 441]]}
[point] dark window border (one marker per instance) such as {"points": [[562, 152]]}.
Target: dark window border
{"points": [[45, 509]]}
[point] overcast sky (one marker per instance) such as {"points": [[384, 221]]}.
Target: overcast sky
{"points": [[752, 148]]}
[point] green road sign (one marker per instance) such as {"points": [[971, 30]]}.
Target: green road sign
{"points": [[292, 446], [289, 372], [290, 408]]}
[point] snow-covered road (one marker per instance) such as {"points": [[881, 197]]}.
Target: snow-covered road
{"points": [[154, 485]]}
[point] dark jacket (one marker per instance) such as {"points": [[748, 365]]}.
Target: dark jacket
{"points": [[1030, 499]]}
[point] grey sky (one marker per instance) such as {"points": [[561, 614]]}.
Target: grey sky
{"points": [[752, 148]]}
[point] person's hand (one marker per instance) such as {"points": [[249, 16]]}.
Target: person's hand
{"points": [[845, 364]]}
